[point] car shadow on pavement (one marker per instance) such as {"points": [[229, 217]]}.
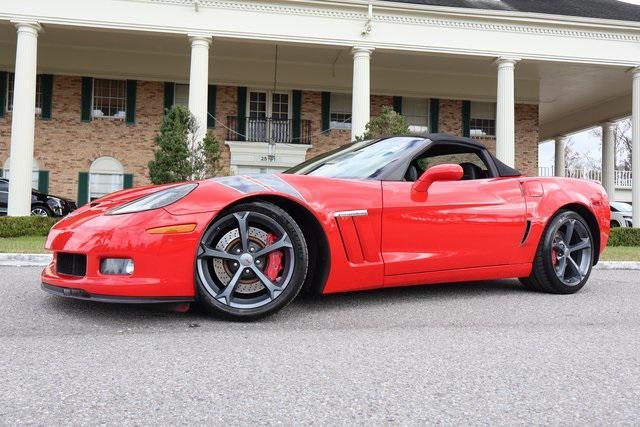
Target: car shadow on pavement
{"points": [[304, 305]]}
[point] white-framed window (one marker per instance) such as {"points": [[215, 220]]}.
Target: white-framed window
{"points": [[181, 94], [35, 174], [11, 79], [416, 114], [483, 119], [268, 113], [340, 111], [106, 175], [263, 104], [109, 98]]}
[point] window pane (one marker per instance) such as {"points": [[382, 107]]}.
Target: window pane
{"points": [[181, 94], [280, 106], [35, 175], [109, 98], [416, 114], [483, 119], [10, 90], [101, 184], [340, 111]]}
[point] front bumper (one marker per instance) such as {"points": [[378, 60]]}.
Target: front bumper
{"points": [[164, 263], [84, 295]]}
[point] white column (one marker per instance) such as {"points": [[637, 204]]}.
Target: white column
{"points": [[609, 159], [360, 101], [560, 144], [505, 112], [635, 148], [199, 81], [23, 119]]}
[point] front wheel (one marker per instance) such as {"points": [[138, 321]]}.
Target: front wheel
{"points": [[251, 262], [564, 257], [41, 211]]}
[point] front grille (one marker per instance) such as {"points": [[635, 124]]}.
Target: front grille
{"points": [[71, 264]]}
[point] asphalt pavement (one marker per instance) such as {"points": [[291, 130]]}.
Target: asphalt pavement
{"points": [[489, 353]]}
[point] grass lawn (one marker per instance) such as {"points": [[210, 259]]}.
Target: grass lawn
{"points": [[621, 253], [26, 244], [35, 244]]}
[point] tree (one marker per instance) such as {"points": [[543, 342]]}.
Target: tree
{"points": [[178, 157], [387, 123]]}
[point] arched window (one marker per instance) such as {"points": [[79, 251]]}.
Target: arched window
{"points": [[106, 175], [6, 173]]}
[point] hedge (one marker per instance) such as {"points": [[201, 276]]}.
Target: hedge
{"points": [[19, 226], [624, 237]]}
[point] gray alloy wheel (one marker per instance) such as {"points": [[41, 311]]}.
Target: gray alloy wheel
{"points": [[571, 251], [39, 211], [251, 261], [565, 255]]}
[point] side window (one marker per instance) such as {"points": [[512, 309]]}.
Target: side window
{"points": [[4, 186], [471, 160]]}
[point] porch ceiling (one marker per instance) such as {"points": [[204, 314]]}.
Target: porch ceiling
{"points": [[571, 96]]}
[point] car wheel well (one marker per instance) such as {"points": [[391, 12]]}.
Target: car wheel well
{"points": [[318, 245], [591, 221]]}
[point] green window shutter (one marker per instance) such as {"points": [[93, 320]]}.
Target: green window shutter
{"points": [[132, 86], [434, 113], [211, 106], [87, 93], [397, 104], [326, 111], [43, 181], [169, 88], [127, 181], [242, 112], [296, 124], [83, 188], [3, 92], [47, 96], [466, 118]]}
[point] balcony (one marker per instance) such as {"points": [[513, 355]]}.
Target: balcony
{"points": [[268, 130]]}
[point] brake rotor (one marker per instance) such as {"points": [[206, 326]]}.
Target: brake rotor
{"points": [[224, 269]]}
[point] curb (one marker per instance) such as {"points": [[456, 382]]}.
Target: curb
{"points": [[42, 260], [618, 265]]}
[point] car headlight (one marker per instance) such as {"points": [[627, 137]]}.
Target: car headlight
{"points": [[155, 200]]}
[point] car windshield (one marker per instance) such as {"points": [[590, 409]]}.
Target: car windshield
{"points": [[621, 207], [358, 160]]}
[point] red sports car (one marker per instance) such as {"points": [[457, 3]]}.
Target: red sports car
{"points": [[391, 212]]}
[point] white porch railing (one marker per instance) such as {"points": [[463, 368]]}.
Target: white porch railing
{"points": [[622, 178]]}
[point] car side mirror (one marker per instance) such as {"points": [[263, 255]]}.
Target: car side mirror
{"points": [[446, 172]]}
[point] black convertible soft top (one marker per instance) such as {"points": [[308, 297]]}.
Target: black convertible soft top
{"points": [[503, 170]]}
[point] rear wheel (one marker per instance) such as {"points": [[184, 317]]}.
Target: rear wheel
{"points": [[252, 262], [564, 257]]}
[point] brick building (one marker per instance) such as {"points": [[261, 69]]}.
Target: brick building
{"points": [[83, 90]]}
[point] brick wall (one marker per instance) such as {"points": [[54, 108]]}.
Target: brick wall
{"points": [[66, 146]]}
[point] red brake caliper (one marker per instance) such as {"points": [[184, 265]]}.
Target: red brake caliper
{"points": [[554, 256], [274, 260]]}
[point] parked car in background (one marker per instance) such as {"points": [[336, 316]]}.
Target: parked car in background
{"points": [[621, 214], [41, 204]]}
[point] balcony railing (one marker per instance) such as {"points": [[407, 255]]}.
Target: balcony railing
{"points": [[268, 130], [622, 178]]}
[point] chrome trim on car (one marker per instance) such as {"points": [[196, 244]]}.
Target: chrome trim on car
{"points": [[359, 212]]}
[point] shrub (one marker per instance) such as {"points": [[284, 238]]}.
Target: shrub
{"points": [[25, 226], [178, 156], [387, 123], [624, 237]]}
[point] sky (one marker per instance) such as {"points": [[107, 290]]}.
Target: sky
{"points": [[583, 142]]}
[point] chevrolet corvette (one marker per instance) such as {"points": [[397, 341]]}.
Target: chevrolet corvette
{"points": [[391, 212]]}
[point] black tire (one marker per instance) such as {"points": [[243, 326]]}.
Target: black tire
{"points": [[545, 275], [41, 210], [258, 217], [615, 224]]}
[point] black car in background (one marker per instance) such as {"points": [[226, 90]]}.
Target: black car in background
{"points": [[41, 204]]}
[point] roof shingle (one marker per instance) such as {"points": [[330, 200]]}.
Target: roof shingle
{"points": [[603, 9]]}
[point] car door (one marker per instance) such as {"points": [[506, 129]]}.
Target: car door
{"points": [[4, 196], [475, 222]]}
